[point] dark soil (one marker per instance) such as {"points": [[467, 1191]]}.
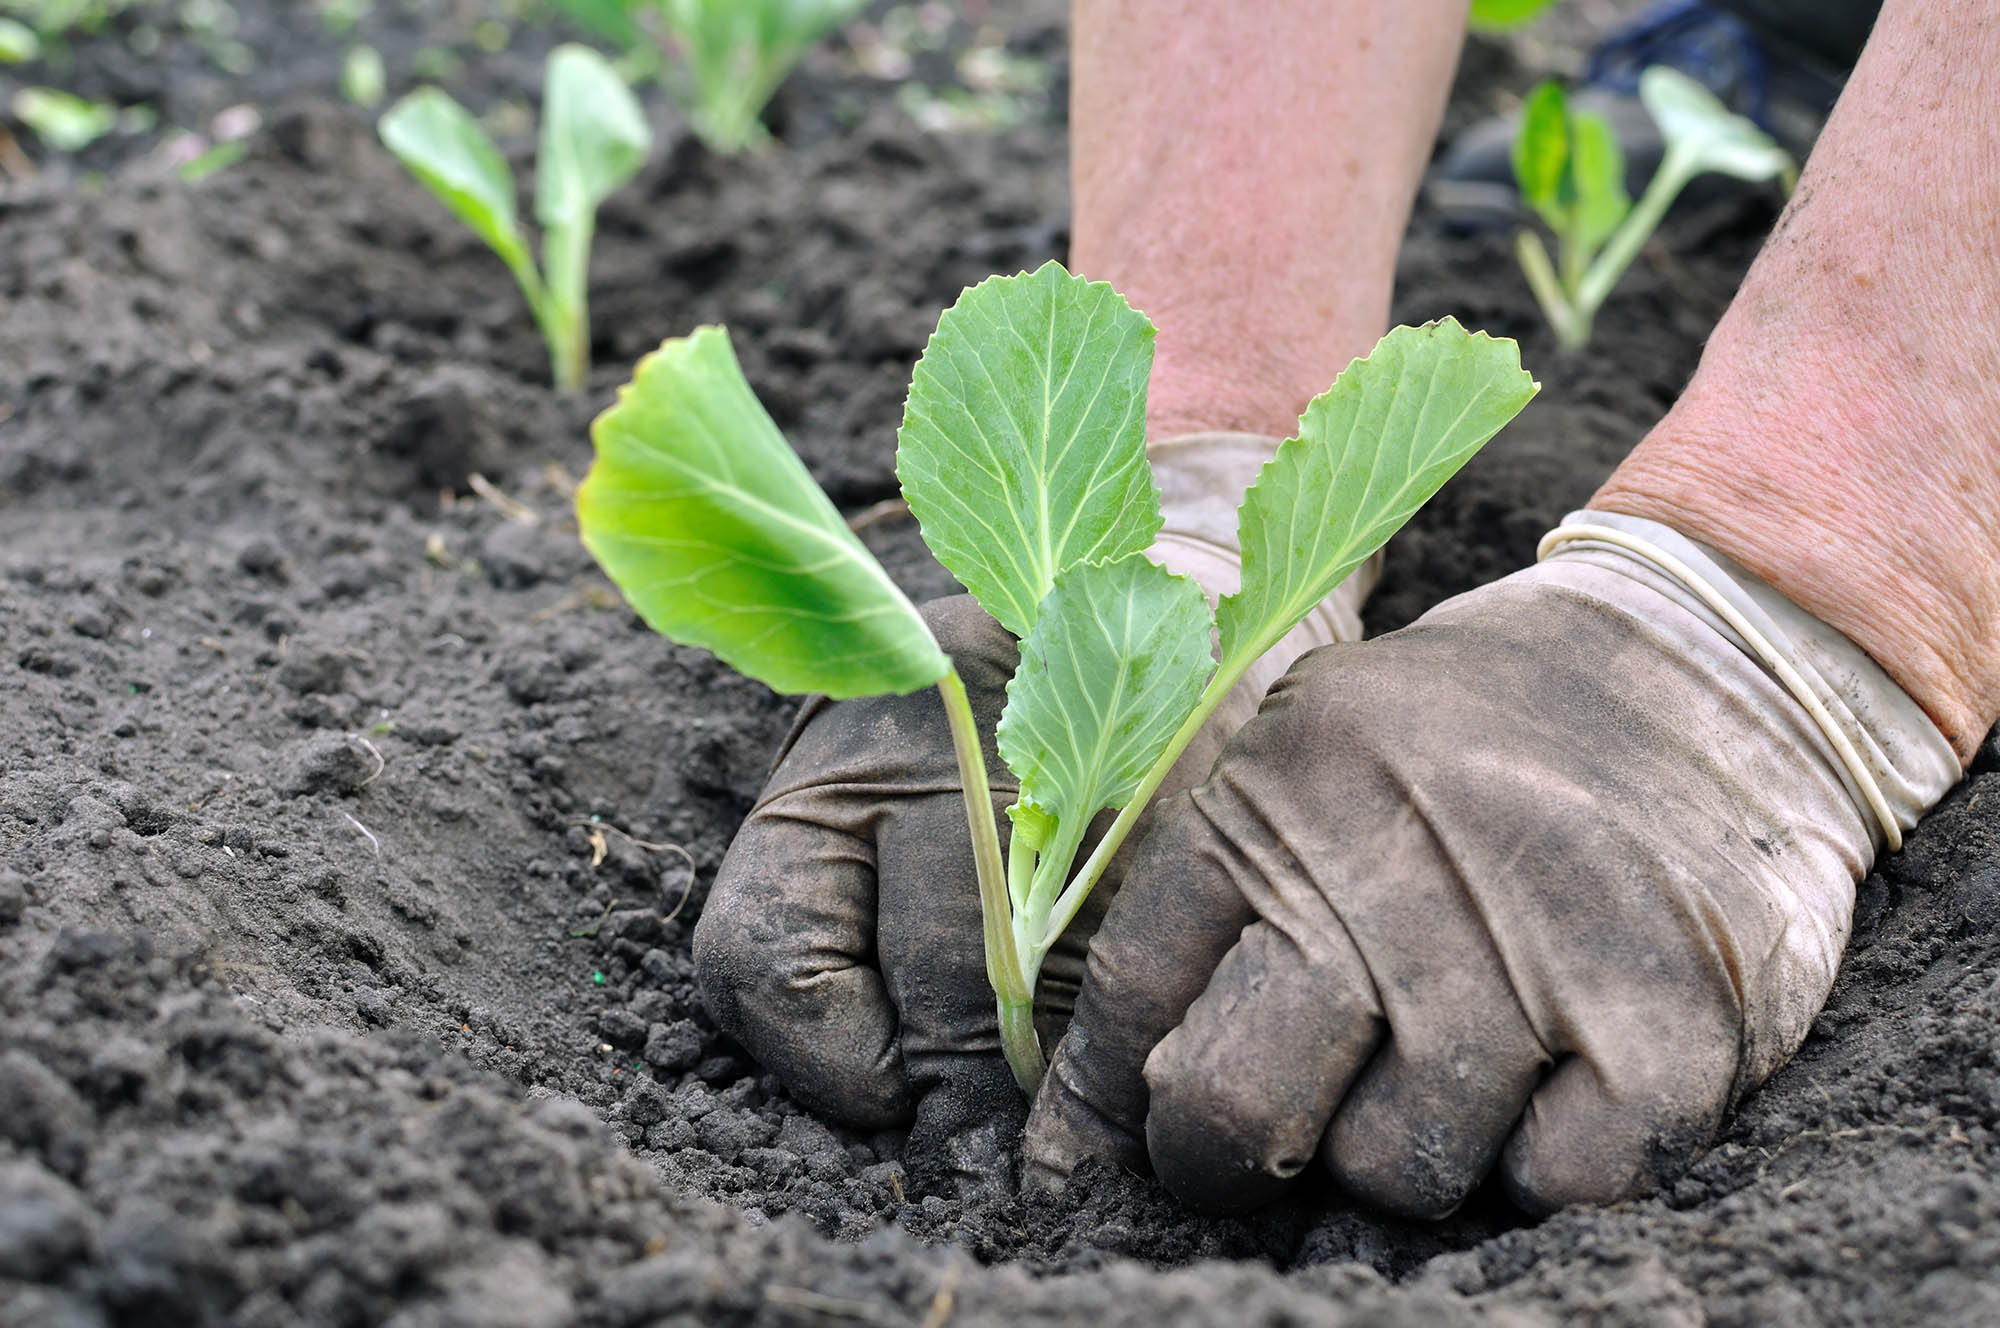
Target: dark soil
{"points": [[351, 831]]}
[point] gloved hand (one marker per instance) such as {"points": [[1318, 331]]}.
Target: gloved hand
{"points": [[841, 943], [1547, 880]]}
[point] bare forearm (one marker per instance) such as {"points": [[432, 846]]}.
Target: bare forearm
{"points": [[1244, 175], [1842, 436]]}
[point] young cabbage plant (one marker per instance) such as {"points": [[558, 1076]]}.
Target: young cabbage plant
{"points": [[1571, 172], [594, 138], [1022, 455], [733, 53]]}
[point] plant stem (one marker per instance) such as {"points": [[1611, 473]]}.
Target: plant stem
{"points": [[1572, 329], [566, 324], [546, 305], [1012, 984], [1631, 235], [1071, 899]]}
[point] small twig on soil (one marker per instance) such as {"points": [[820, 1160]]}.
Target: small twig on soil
{"points": [[597, 852], [511, 508], [365, 831], [945, 1301], [889, 509], [595, 927], [590, 597], [14, 161], [557, 477], [800, 1298], [381, 763]]}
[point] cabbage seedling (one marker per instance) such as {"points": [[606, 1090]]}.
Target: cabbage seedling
{"points": [[1571, 172], [594, 139], [1022, 455], [734, 53]]}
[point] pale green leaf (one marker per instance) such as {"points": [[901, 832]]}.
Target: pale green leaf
{"points": [[1023, 446], [63, 120], [363, 77], [1704, 135], [18, 43], [1115, 662], [452, 154], [1371, 450], [594, 137], [711, 526]]}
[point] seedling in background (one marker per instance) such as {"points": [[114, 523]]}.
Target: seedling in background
{"points": [[733, 53], [18, 43], [1022, 455], [594, 139], [1504, 15], [62, 120], [1570, 171]]}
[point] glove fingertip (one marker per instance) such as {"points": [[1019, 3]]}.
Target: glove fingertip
{"points": [[1066, 1127]]}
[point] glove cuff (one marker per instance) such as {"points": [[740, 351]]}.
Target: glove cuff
{"points": [[1890, 757], [1202, 477]]}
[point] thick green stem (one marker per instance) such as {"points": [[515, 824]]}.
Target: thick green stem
{"points": [[1631, 235], [566, 319], [1013, 983]]}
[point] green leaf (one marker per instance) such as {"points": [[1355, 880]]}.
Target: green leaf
{"points": [[218, 158], [1371, 450], [18, 43], [737, 52], [711, 526], [1596, 181], [1704, 135], [1115, 662], [1023, 446], [447, 149], [614, 20], [1541, 151], [594, 137], [1504, 15], [63, 120], [363, 78]]}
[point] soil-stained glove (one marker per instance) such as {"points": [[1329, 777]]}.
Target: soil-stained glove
{"points": [[841, 943], [1547, 880]]}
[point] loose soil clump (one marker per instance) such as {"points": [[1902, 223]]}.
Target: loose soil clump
{"points": [[351, 830]]}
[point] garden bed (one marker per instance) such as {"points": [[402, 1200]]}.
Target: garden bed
{"points": [[346, 817]]}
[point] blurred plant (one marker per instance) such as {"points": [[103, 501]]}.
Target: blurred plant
{"points": [[1571, 171], [55, 19], [363, 80], [594, 139], [733, 54], [63, 120], [1505, 15], [18, 43]]}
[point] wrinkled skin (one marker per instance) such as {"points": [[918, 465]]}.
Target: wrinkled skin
{"points": [[841, 943], [1544, 882]]}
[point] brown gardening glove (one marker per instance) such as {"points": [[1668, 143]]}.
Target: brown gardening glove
{"points": [[1544, 882], [841, 943]]}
